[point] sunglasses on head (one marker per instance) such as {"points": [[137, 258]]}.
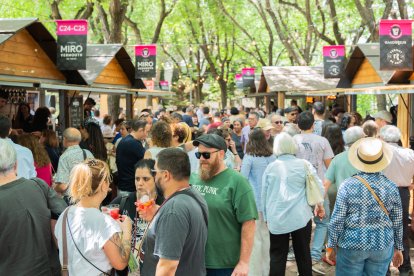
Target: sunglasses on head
{"points": [[206, 155]]}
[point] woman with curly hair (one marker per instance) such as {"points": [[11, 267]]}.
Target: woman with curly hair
{"points": [[181, 134], [40, 119], [161, 137], [42, 162]]}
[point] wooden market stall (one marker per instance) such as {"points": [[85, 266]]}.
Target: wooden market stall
{"points": [[362, 75], [279, 82], [27, 59]]}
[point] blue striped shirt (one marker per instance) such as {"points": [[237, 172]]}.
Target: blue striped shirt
{"points": [[359, 223]]}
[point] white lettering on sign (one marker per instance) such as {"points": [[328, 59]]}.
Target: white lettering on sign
{"points": [[71, 49], [74, 28], [145, 64]]}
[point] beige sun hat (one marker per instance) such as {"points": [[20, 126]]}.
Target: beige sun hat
{"points": [[265, 124], [370, 155]]}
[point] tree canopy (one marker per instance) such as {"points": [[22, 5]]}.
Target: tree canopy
{"points": [[209, 41]]}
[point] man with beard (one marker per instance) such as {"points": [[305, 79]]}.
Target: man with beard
{"points": [[231, 206], [176, 237]]}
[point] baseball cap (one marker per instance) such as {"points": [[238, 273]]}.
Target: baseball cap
{"points": [[291, 109], [211, 141], [383, 114]]}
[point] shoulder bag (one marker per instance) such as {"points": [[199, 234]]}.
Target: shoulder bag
{"points": [[313, 191], [373, 194]]}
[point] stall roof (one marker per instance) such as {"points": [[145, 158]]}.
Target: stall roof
{"points": [[373, 90], [295, 79], [371, 53], [98, 56], [10, 27]]}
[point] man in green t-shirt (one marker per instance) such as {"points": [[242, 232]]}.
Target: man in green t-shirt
{"points": [[231, 206]]}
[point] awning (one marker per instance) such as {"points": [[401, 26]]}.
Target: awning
{"points": [[148, 92], [375, 90], [296, 79]]}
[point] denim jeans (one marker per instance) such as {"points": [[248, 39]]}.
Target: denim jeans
{"points": [[320, 233], [361, 262]]}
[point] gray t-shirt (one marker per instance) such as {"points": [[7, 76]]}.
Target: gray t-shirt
{"points": [[315, 149], [178, 232]]}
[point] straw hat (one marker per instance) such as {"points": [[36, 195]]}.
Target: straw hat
{"points": [[370, 155], [264, 124]]}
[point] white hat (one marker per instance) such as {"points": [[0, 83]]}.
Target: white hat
{"points": [[384, 115], [370, 155]]}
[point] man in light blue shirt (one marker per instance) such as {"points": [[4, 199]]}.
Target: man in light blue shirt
{"points": [[25, 161]]}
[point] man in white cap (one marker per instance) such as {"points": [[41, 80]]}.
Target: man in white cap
{"points": [[366, 228], [401, 172], [382, 118]]}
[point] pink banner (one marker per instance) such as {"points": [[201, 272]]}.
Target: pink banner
{"points": [[248, 71], [164, 83], [395, 28], [239, 77], [334, 51], [72, 27], [145, 50]]}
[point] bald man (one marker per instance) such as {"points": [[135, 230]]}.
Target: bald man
{"points": [[72, 156]]}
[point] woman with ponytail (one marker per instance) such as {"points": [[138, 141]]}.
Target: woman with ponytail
{"points": [[96, 242]]}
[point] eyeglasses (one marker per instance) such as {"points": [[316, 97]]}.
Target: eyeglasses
{"points": [[206, 155], [145, 178], [278, 122], [228, 139]]}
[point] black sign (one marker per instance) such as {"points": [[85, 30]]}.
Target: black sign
{"points": [[248, 77], [396, 45], [76, 111], [145, 57], [333, 61], [71, 43]]}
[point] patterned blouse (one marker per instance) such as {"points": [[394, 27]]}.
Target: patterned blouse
{"points": [[359, 223]]}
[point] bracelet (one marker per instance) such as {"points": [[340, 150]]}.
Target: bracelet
{"points": [[235, 154]]}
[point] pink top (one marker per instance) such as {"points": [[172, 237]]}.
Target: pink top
{"points": [[45, 173]]}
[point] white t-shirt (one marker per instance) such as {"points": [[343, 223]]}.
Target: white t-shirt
{"points": [[91, 229], [315, 149]]}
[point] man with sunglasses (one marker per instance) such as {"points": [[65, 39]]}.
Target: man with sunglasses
{"points": [[291, 114], [232, 209]]}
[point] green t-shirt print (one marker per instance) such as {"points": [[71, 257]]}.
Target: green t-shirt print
{"points": [[230, 201]]}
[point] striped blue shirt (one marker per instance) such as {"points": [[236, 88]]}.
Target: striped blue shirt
{"points": [[359, 223]]}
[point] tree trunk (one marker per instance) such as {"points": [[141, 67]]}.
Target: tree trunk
{"points": [[223, 92], [381, 102], [113, 106]]}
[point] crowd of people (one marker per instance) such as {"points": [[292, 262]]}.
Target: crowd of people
{"points": [[200, 191]]}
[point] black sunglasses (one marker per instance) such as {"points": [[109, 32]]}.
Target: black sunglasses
{"points": [[206, 155]]}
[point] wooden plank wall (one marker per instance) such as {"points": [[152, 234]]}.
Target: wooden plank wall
{"points": [[113, 74], [22, 56], [366, 74]]}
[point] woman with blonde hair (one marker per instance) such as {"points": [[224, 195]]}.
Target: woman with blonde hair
{"points": [[96, 242], [42, 162]]}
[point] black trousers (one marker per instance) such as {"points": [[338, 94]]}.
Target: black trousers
{"points": [[279, 248]]}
